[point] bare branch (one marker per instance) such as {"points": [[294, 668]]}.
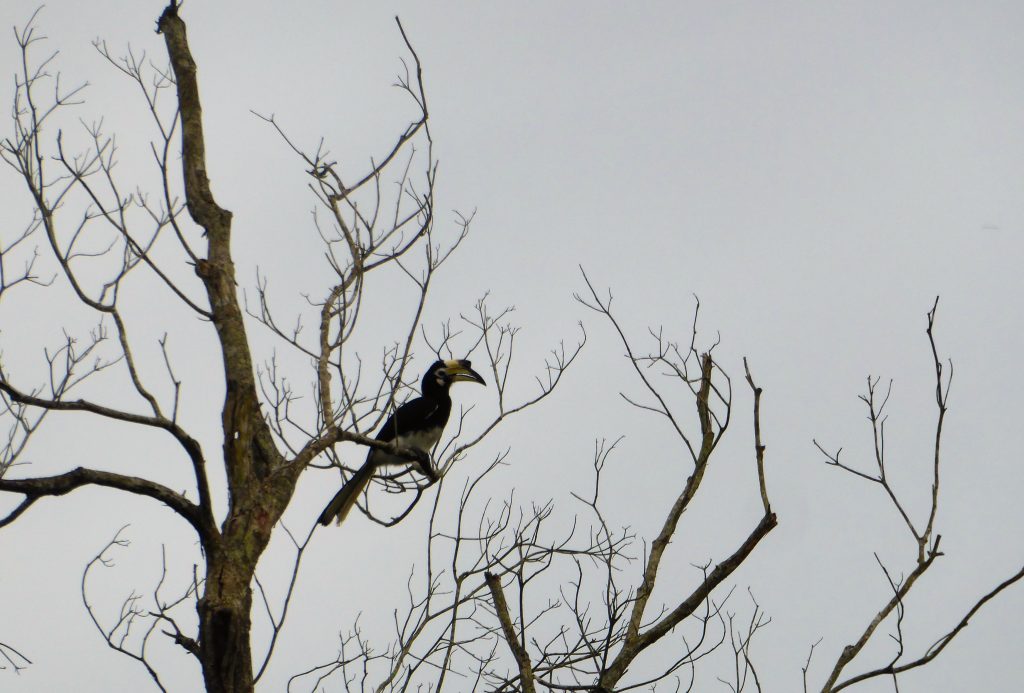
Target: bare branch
{"points": [[758, 447], [15, 659], [939, 645], [927, 542], [501, 608], [116, 636], [34, 489]]}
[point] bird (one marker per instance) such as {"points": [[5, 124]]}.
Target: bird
{"points": [[416, 425]]}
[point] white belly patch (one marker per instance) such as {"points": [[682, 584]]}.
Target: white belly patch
{"points": [[421, 440]]}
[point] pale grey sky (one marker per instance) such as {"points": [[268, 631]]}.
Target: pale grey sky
{"points": [[816, 172]]}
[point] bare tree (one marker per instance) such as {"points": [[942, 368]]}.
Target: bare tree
{"points": [[520, 599], [379, 219], [491, 613], [511, 596]]}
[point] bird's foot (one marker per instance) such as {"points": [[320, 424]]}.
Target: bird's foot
{"points": [[425, 466]]}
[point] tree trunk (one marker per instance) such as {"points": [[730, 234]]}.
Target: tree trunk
{"points": [[224, 628], [260, 482]]}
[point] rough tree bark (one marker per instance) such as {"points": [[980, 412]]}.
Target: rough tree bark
{"points": [[261, 464], [260, 484], [260, 480]]}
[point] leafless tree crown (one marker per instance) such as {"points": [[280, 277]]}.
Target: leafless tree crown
{"points": [[511, 595]]}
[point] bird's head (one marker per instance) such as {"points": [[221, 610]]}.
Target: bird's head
{"points": [[442, 374]]}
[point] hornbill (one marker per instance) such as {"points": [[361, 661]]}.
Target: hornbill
{"points": [[417, 425]]}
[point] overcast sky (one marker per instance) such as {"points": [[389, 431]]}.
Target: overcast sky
{"points": [[816, 172]]}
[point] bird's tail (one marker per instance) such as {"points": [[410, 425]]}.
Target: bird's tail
{"points": [[344, 499]]}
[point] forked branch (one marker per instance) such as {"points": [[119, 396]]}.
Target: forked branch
{"points": [[926, 540], [507, 628]]}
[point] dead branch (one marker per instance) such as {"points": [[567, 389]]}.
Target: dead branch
{"points": [[34, 489], [15, 659], [926, 540], [501, 609]]}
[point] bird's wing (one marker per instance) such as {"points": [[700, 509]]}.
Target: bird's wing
{"points": [[410, 417], [407, 417]]}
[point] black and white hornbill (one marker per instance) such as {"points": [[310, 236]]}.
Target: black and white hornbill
{"points": [[417, 425]]}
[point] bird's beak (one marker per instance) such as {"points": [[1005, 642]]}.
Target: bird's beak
{"points": [[460, 371]]}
